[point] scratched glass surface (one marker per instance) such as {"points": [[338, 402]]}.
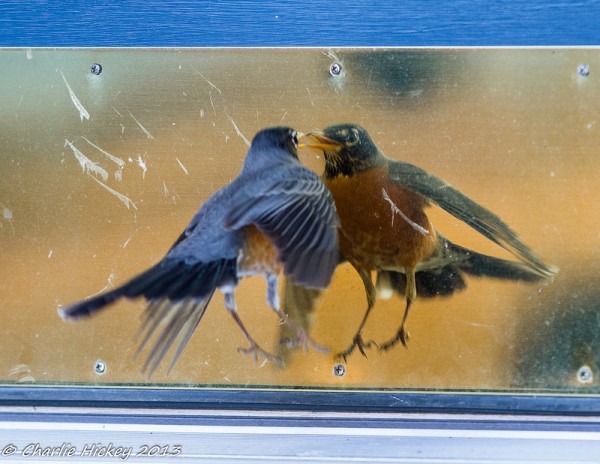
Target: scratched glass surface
{"points": [[101, 172]]}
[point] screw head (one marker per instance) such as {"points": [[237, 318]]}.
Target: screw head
{"points": [[96, 68], [583, 70], [339, 370], [585, 374], [335, 69], [100, 367]]}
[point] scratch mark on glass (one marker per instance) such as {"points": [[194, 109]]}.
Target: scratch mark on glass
{"points": [[209, 82], [477, 324], [126, 200], [212, 103], [108, 286], [87, 165], [239, 133], [396, 210], [113, 158], [331, 55], [22, 372], [128, 240], [82, 111], [310, 97], [182, 167], [141, 163], [146, 131]]}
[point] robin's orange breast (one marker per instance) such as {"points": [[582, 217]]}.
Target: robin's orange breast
{"points": [[383, 225], [259, 255]]}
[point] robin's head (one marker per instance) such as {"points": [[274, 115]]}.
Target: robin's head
{"points": [[348, 149], [271, 145], [284, 138]]}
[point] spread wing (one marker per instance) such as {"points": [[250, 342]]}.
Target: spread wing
{"points": [[460, 206], [298, 215]]}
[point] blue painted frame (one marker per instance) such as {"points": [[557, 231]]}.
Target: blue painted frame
{"points": [[252, 23]]}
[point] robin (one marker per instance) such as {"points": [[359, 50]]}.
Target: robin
{"points": [[275, 215], [384, 228]]}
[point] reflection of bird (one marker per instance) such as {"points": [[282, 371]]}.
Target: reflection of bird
{"points": [[299, 304], [384, 227], [275, 215]]}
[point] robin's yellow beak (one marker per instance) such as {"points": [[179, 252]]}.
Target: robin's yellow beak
{"points": [[322, 142]]}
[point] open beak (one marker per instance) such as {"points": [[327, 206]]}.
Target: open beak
{"points": [[322, 142]]}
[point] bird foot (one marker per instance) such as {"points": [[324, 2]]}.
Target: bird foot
{"points": [[402, 336], [302, 338], [359, 343], [255, 350]]}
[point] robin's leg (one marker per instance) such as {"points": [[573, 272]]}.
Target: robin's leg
{"points": [[402, 335], [302, 338], [357, 341], [254, 347]]}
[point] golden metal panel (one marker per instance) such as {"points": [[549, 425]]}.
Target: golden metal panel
{"points": [[514, 129]]}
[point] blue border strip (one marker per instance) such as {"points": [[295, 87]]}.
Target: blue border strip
{"points": [[252, 23], [300, 400]]}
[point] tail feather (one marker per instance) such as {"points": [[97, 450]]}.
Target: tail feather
{"points": [[487, 266], [178, 295], [143, 284], [88, 307], [453, 261], [160, 283], [173, 280]]}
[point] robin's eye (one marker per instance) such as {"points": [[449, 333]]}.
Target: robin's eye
{"points": [[352, 137], [295, 138]]}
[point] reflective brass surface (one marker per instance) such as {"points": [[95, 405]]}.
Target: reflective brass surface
{"points": [[101, 172]]}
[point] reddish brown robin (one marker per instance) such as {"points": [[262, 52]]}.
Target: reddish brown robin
{"points": [[384, 228], [276, 215]]}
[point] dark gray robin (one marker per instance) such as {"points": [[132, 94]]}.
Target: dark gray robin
{"points": [[276, 215], [384, 227]]}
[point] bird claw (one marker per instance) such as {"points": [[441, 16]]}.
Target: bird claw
{"points": [[359, 343], [255, 350], [402, 336], [302, 338]]}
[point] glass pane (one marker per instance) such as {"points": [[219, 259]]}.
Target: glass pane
{"points": [[103, 167]]}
